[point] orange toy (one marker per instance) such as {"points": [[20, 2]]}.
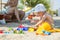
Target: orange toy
{"points": [[30, 16]]}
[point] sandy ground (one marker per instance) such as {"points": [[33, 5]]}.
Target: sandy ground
{"points": [[26, 35], [29, 36]]}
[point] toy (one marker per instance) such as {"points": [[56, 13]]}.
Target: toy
{"points": [[19, 29], [18, 32], [10, 28], [21, 32], [25, 28], [6, 32], [1, 31], [15, 31], [30, 16], [21, 26], [31, 29], [47, 33]]}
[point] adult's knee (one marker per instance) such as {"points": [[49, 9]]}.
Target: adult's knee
{"points": [[21, 14]]}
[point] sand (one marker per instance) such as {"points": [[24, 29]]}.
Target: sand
{"points": [[29, 36]]}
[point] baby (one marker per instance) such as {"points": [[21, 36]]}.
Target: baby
{"points": [[45, 22]]}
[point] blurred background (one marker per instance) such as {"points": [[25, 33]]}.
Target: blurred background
{"points": [[53, 6]]}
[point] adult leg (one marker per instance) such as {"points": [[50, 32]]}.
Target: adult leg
{"points": [[17, 14], [14, 10]]}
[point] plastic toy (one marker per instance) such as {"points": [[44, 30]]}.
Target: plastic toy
{"points": [[10, 28], [21, 32], [47, 33], [18, 32], [15, 31], [30, 16], [31, 29], [1, 31], [25, 28], [6, 32], [21, 26], [19, 29]]}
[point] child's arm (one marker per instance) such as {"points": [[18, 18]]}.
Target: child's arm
{"points": [[42, 20], [50, 19]]}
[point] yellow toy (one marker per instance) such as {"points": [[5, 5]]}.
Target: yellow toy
{"points": [[31, 29]]}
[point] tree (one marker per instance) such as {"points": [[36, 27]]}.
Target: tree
{"points": [[33, 3]]}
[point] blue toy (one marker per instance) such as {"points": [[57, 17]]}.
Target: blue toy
{"points": [[25, 28], [19, 29], [47, 33], [6, 32]]}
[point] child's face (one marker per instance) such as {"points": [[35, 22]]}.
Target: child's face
{"points": [[40, 13]]}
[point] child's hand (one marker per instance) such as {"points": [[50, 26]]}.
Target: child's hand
{"points": [[33, 26]]}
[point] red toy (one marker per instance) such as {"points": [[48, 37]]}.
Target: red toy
{"points": [[1, 31], [21, 26]]}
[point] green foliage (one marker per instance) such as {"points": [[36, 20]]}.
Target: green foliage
{"points": [[33, 3], [20, 7]]}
